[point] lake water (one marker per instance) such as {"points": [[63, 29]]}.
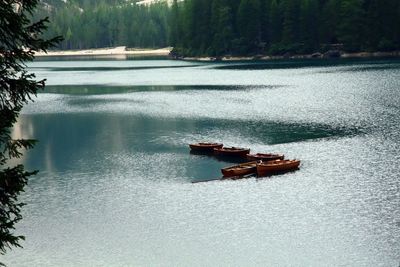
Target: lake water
{"points": [[115, 183]]}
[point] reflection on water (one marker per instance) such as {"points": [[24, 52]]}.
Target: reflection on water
{"points": [[114, 187], [114, 68], [103, 89], [348, 64]]}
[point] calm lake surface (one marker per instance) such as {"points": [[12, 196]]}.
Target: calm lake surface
{"points": [[115, 183]]}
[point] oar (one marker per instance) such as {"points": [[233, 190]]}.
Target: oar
{"points": [[210, 180], [225, 178]]}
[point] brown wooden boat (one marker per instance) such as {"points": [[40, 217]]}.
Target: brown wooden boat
{"points": [[264, 157], [240, 169], [232, 151], [275, 166], [205, 147]]}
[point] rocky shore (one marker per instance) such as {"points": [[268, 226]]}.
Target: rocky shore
{"points": [[329, 54]]}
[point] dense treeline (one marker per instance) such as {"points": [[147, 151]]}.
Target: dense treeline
{"points": [[228, 27], [107, 23], [238, 27]]}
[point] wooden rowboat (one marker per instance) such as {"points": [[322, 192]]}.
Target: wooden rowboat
{"points": [[264, 157], [240, 169], [205, 147], [276, 166], [232, 151]]}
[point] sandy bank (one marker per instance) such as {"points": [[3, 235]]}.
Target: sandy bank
{"points": [[115, 51]]}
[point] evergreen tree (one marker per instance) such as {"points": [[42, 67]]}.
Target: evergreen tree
{"points": [[329, 21], [309, 22], [19, 40], [264, 21], [275, 22], [222, 28], [384, 13], [397, 27], [351, 30], [291, 12], [175, 32], [374, 24], [248, 23]]}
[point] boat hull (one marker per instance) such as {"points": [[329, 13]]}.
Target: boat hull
{"points": [[264, 157], [232, 152], [240, 169], [276, 166], [205, 147]]}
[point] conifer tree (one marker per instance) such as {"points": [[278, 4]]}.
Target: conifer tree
{"points": [[19, 40], [291, 12], [275, 22], [174, 33], [248, 23], [351, 30], [222, 27]]}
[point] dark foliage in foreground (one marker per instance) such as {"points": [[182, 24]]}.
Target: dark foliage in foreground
{"points": [[19, 39]]}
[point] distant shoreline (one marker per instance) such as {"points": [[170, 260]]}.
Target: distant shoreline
{"points": [[394, 54], [117, 52], [122, 52]]}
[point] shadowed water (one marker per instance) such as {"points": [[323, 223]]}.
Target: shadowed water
{"points": [[115, 183], [347, 64], [104, 89]]}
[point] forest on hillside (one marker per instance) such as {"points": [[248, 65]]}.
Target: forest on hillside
{"points": [[106, 23], [242, 27], [230, 27]]}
